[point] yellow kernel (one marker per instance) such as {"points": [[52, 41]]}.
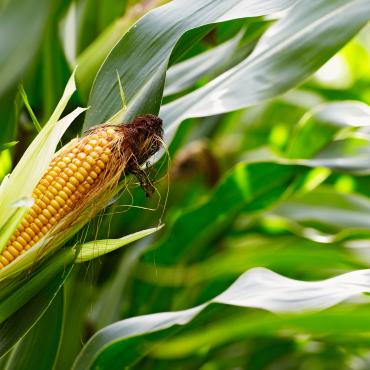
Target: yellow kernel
{"points": [[51, 209], [79, 176], [18, 245], [90, 160], [81, 155], [94, 155], [61, 200], [43, 219], [54, 204], [68, 171], [53, 173], [8, 255], [42, 187], [53, 220], [70, 186], [37, 193], [93, 174], [88, 148], [22, 241], [45, 229], [41, 203], [3, 261], [53, 191], [63, 176], [73, 167], [39, 223], [49, 178], [46, 213], [25, 223], [73, 180], [100, 163], [36, 208], [49, 194], [44, 182], [68, 191], [34, 227], [13, 251], [26, 237], [70, 203], [66, 160], [58, 186], [83, 171], [61, 165], [90, 180], [30, 232], [98, 149], [86, 166]]}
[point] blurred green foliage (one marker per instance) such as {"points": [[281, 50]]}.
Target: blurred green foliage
{"points": [[282, 184]]}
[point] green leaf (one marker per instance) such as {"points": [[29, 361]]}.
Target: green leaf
{"points": [[288, 53], [18, 45], [88, 251], [244, 187], [326, 216], [27, 353], [16, 292], [146, 50], [258, 288], [320, 126], [8, 145], [29, 109], [28, 305], [183, 75]]}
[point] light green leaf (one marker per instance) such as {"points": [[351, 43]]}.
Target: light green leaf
{"points": [[18, 45], [27, 353], [325, 122], [97, 248], [146, 49], [183, 75], [289, 52], [258, 288]]}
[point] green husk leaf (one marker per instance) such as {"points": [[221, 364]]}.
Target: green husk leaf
{"points": [[88, 251]]}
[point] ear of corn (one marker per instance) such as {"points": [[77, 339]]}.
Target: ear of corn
{"points": [[79, 177]]}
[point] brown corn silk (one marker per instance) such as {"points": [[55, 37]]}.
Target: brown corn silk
{"points": [[81, 177]]}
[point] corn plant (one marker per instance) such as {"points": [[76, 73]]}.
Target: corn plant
{"points": [[227, 141]]}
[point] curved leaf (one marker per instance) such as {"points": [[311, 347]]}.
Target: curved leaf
{"points": [[27, 354], [141, 57], [258, 288], [289, 52], [185, 74]]}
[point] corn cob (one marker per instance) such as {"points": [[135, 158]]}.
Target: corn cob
{"points": [[80, 172]]}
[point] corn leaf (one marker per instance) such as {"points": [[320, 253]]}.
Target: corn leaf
{"points": [[146, 58], [88, 251], [16, 50], [27, 354], [289, 52], [183, 75], [257, 288]]}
